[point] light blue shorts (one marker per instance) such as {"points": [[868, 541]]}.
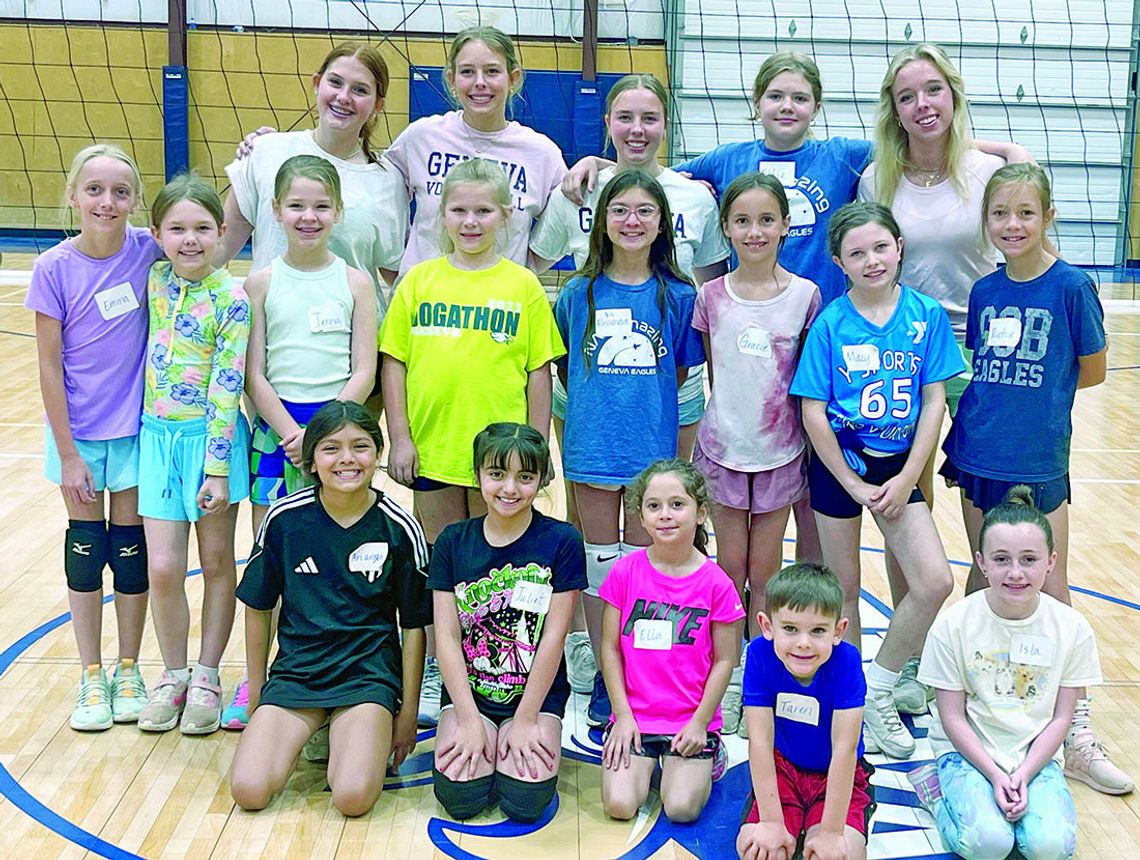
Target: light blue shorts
{"points": [[172, 459], [114, 463], [690, 398]]}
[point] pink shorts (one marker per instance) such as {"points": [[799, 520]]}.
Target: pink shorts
{"points": [[755, 492]]}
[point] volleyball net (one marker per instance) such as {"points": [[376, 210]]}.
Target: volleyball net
{"points": [[1055, 76]]}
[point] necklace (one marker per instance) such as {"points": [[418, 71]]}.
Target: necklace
{"points": [[927, 178], [482, 140]]}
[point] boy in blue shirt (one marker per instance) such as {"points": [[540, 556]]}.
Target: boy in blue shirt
{"points": [[803, 700]]}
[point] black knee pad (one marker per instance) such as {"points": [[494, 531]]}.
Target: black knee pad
{"points": [[524, 801], [462, 800], [127, 557], [84, 554]]}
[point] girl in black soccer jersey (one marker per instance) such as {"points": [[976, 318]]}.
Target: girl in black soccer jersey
{"points": [[344, 560]]}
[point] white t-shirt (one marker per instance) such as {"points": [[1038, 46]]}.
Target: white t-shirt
{"points": [[564, 227], [1009, 696], [371, 232], [946, 249], [428, 148]]}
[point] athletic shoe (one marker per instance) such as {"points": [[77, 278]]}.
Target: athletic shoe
{"points": [[236, 715], [580, 663], [926, 785], [92, 711], [883, 731], [742, 729], [720, 761], [430, 691], [316, 748], [128, 692], [203, 713], [731, 705], [911, 695], [1087, 760], [164, 708], [599, 711]]}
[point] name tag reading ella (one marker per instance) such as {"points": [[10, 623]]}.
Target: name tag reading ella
{"points": [[754, 341], [116, 301], [531, 596], [1031, 650], [331, 316], [613, 322], [800, 709], [1004, 331], [861, 356], [653, 635]]}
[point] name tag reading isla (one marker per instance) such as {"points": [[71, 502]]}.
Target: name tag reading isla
{"points": [[1031, 650], [653, 635], [531, 597], [613, 322], [754, 341], [116, 301], [800, 709], [1004, 331], [331, 316], [861, 356]]}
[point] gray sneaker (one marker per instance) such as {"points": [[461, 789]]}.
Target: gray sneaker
{"points": [[430, 691], [911, 695], [580, 663], [203, 712], [732, 704], [883, 731]]}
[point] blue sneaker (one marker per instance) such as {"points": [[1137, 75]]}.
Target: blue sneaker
{"points": [[236, 716], [600, 710]]}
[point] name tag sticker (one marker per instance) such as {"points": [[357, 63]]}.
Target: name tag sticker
{"points": [[368, 560], [800, 709], [653, 635], [861, 356], [331, 316], [613, 322], [1004, 331], [531, 597], [785, 171], [116, 301], [1031, 650], [754, 341]]}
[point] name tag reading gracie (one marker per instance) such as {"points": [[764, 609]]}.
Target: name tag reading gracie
{"points": [[116, 301], [754, 341], [800, 709], [531, 596], [653, 635], [1031, 650]]}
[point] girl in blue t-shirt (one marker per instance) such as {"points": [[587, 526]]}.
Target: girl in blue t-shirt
{"points": [[1037, 331], [871, 378], [626, 320]]}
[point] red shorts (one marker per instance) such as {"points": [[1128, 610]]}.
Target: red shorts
{"points": [[802, 793]]}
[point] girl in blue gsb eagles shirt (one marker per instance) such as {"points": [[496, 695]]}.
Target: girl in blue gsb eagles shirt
{"points": [[871, 378]]}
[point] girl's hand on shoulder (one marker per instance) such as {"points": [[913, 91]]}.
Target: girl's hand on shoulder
{"points": [[246, 146], [622, 738], [891, 498], [691, 739], [76, 480], [292, 445], [403, 734], [521, 741], [584, 173], [214, 496], [403, 461], [770, 840], [469, 744], [825, 846]]}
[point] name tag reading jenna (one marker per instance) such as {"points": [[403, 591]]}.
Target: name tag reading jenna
{"points": [[800, 709], [1031, 650], [531, 596], [861, 356], [331, 316], [651, 635], [1004, 331], [368, 560], [754, 341], [613, 322], [116, 301]]}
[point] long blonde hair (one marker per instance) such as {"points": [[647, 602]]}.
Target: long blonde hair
{"points": [[891, 140]]}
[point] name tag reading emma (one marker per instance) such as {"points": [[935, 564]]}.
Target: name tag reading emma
{"points": [[613, 322], [754, 341], [1031, 650], [531, 596], [331, 316], [653, 635], [861, 356], [1004, 331], [116, 301], [800, 709]]}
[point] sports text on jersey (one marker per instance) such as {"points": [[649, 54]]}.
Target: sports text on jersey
{"points": [[439, 163], [500, 318], [1016, 363]]}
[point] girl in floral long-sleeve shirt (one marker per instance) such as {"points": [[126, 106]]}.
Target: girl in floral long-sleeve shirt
{"points": [[194, 448]]}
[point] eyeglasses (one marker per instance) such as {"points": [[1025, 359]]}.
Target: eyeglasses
{"points": [[644, 213]]}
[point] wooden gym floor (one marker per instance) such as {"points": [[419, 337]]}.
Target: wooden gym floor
{"points": [[122, 793]]}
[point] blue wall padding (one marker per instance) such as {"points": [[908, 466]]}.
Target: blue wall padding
{"points": [[176, 119]]}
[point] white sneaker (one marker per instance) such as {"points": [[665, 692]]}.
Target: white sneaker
{"points": [[430, 691], [731, 706], [1087, 760], [883, 731], [580, 663], [911, 695]]}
